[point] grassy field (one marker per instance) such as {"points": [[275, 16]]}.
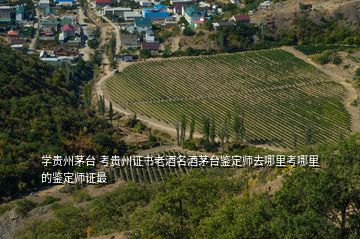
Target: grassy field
{"points": [[281, 96]]}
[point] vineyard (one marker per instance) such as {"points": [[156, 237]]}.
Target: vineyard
{"points": [[281, 96]]}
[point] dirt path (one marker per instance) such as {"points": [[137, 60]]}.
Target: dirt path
{"points": [[341, 79]]}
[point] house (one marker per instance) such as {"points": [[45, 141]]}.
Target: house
{"points": [[63, 3], [49, 11], [44, 4], [55, 60], [194, 15], [5, 14], [157, 12], [14, 37], [142, 24], [152, 46], [149, 36], [177, 8], [181, 1], [68, 20], [68, 30], [102, 3], [244, 19], [126, 58], [145, 3], [62, 51], [131, 16], [220, 25], [235, 1], [265, 5], [115, 11], [19, 13], [128, 41], [49, 21]]}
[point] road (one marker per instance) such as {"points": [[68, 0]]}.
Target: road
{"points": [[32, 45]]}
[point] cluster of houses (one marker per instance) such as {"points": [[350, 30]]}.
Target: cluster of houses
{"points": [[16, 23], [63, 30], [136, 24]]}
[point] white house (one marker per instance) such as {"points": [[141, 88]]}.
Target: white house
{"points": [[44, 4], [149, 36], [265, 5]]}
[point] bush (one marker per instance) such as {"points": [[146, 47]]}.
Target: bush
{"points": [[188, 31], [24, 206], [48, 200]]}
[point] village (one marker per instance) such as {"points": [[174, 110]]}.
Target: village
{"points": [[66, 30]]}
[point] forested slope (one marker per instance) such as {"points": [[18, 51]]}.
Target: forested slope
{"points": [[41, 114]]}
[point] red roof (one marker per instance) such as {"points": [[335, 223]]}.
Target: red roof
{"points": [[150, 45], [12, 33], [241, 18], [103, 1], [68, 27]]}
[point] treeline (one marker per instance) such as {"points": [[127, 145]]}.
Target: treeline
{"points": [[43, 112], [224, 203]]}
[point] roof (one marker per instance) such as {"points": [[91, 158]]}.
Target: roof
{"points": [[159, 7], [154, 14], [194, 11], [20, 9], [132, 15], [68, 27], [12, 33], [5, 8], [223, 24], [65, 21], [142, 22], [103, 1], [150, 45], [240, 18], [127, 39]]}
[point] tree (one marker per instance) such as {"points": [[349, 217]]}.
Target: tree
{"points": [[212, 134], [309, 136], [192, 127], [188, 31], [239, 126], [206, 128], [183, 124], [111, 112], [101, 105]]}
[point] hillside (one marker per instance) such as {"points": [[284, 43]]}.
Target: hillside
{"points": [[280, 96], [42, 114]]}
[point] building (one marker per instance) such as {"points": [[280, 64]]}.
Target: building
{"points": [[181, 1], [128, 41], [152, 46], [69, 3], [55, 60], [62, 51], [194, 15], [145, 3], [157, 12], [244, 19], [115, 11], [149, 36], [142, 24], [131, 16], [68, 30], [102, 3], [19, 13], [5, 14], [265, 5], [220, 25], [44, 4], [14, 37]]}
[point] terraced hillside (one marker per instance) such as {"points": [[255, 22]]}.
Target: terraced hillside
{"points": [[281, 96]]}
